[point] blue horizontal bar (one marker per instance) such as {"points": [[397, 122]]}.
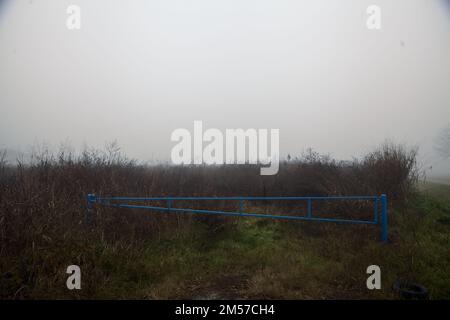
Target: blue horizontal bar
{"points": [[259, 215], [236, 198]]}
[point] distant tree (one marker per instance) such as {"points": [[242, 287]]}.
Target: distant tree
{"points": [[3, 160], [442, 145]]}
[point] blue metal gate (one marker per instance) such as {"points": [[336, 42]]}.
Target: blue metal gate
{"points": [[124, 202]]}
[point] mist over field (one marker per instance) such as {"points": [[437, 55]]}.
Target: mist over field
{"points": [[351, 97], [138, 70]]}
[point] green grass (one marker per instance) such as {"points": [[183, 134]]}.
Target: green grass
{"points": [[436, 190]]}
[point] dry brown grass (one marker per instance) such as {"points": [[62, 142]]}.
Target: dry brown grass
{"points": [[44, 224]]}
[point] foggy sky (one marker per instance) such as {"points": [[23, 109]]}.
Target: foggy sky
{"points": [[137, 70]]}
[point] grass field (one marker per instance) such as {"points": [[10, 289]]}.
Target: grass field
{"points": [[284, 260], [140, 254], [435, 189]]}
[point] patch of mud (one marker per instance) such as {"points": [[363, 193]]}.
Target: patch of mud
{"points": [[223, 287]]}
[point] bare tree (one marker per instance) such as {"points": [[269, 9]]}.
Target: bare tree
{"points": [[442, 145], [3, 161]]}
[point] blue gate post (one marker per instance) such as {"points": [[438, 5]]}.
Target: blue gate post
{"points": [[241, 206], [384, 218], [309, 208]]}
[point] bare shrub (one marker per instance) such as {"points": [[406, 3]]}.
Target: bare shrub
{"points": [[392, 170]]}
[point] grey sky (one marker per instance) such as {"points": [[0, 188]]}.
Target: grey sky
{"points": [[139, 69]]}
